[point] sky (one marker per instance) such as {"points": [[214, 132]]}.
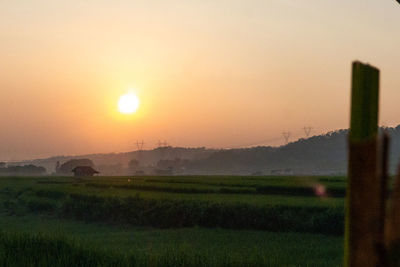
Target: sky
{"points": [[213, 73]]}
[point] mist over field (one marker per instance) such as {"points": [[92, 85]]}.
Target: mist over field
{"points": [[318, 155]]}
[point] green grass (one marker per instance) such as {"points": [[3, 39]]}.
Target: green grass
{"points": [[172, 213], [170, 221], [200, 247], [111, 186]]}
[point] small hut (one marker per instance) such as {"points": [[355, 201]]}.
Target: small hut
{"points": [[84, 171]]}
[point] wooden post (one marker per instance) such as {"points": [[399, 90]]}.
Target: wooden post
{"points": [[363, 221], [384, 179], [384, 183], [392, 231]]}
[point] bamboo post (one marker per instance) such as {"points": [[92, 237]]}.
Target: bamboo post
{"points": [[363, 203], [384, 179], [392, 231]]}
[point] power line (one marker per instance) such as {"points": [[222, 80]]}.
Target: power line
{"points": [[286, 135], [256, 143]]}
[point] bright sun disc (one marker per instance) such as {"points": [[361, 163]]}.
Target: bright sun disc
{"points": [[128, 103]]}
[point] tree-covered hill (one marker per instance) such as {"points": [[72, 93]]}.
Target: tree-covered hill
{"points": [[322, 154]]}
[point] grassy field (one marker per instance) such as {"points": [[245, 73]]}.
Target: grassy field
{"points": [[172, 221]]}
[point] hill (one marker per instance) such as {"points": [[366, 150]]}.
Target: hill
{"points": [[318, 155]]}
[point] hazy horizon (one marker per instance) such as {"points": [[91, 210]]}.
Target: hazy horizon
{"points": [[208, 73]]}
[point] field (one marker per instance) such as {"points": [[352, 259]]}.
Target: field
{"points": [[172, 221]]}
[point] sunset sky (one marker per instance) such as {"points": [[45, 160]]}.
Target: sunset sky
{"points": [[214, 73]]}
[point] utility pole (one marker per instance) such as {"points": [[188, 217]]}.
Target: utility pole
{"points": [[286, 136], [140, 145], [162, 144], [307, 130]]}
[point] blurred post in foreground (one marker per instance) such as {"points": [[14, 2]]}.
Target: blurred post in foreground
{"points": [[364, 193]]}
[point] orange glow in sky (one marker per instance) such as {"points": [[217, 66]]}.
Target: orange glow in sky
{"points": [[207, 73]]}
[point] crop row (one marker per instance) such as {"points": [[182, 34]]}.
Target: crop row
{"points": [[176, 213], [183, 213], [53, 250], [310, 191], [47, 251]]}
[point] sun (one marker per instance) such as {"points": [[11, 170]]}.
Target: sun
{"points": [[128, 103]]}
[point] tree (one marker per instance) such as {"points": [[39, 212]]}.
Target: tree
{"points": [[23, 170], [133, 164], [67, 167], [57, 166]]}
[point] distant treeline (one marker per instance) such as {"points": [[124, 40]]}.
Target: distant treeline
{"points": [[22, 170], [318, 155]]}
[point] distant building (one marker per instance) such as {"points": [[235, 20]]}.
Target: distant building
{"points": [[82, 171]]}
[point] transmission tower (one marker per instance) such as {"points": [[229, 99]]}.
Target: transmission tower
{"points": [[307, 130], [162, 144], [286, 136], [140, 145]]}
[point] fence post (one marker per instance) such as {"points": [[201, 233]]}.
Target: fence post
{"points": [[364, 200]]}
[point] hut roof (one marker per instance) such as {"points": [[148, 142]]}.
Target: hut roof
{"points": [[84, 169]]}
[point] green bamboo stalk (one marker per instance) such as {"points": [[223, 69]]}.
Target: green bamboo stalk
{"points": [[363, 217], [364, 103]]}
